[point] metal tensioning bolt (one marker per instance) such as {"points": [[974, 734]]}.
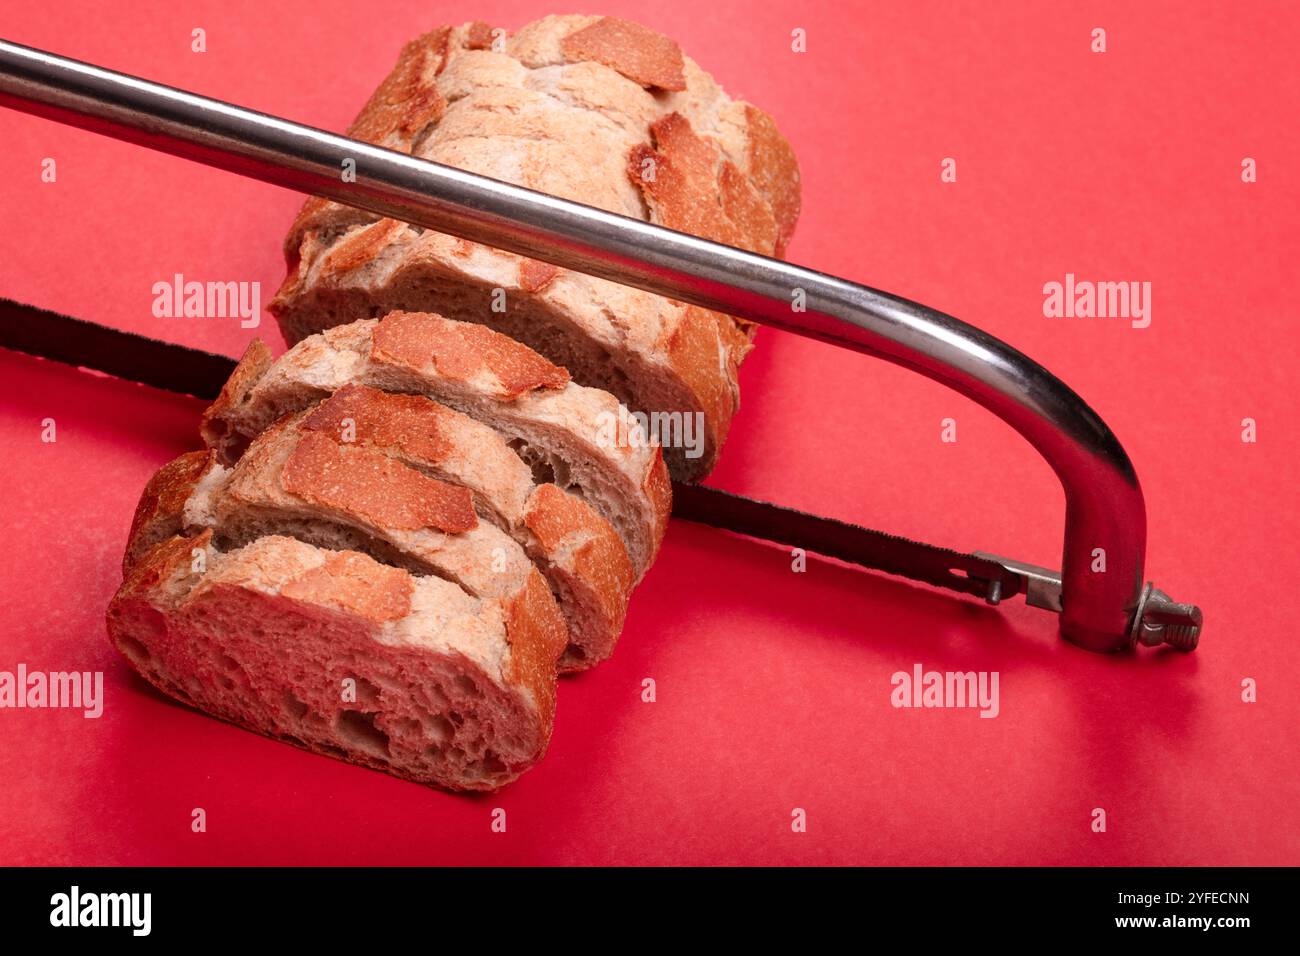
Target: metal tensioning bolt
{"points": [[1161, 620]]}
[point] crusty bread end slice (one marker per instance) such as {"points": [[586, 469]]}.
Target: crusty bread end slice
{"points": [[344, 656]]}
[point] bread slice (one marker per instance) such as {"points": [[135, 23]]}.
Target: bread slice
{"points": [[569, 434], [342, 655], [594, 109], [160, 513], [577, 551], [354, 497]]}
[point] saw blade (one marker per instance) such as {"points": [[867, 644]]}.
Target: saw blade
{"points": [[189, 371]]}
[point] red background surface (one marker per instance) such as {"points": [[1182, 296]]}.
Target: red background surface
{"points": [[773, 687]]}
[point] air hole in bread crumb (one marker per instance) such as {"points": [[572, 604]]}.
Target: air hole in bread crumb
{"points": [[490, 766], [367, 693], [294, 706], [543, 469], [405, 727], [359, 730], [466, 685], [236, 445], [441, 730], [227, 662], [133, 649], [149, 624]]}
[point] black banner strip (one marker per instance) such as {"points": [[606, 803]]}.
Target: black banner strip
{"points": [[981, 907]]}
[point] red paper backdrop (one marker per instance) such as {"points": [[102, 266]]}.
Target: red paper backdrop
{"points": [[773, 687]]}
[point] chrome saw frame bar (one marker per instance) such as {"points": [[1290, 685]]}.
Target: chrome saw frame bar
{"points": [[1100, 610]]}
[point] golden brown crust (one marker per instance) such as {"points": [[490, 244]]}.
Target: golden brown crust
{"points": [[658, 488], [774, 172], [692, 187], [379, 489], [410, 423], [360, 246], [478, 36], [703, 342], [355, 583], [534, 276], [160, 562], [406, 104], [555, 516], [316, 221], [576, 543], [158, 514], [344, 356], [407, 100], [252, 366], [461, 351], [645, 57], [537, 635], [397, 116]]}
